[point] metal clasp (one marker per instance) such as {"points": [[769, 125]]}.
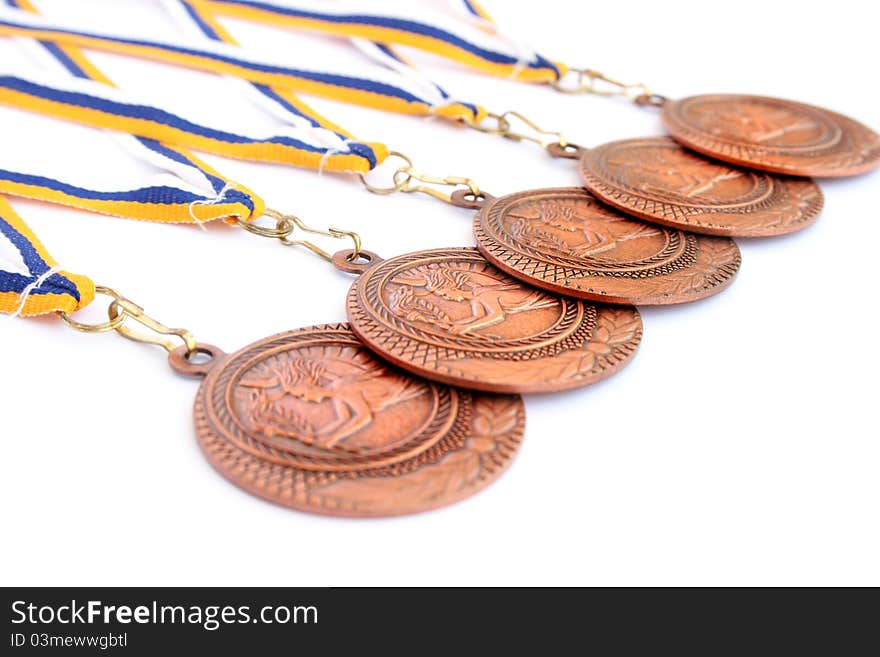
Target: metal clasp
{"points": [[504, 126], [120, 311], [287, 224], [588, 81], [405, 177]]}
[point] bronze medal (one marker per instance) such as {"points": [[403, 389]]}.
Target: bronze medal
{"points": [[775, 135], [450, 316], [565, 241], [657, 180], [311, 420]]}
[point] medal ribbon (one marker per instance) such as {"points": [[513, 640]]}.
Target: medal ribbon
{"points": [[509, 124], [192, 193], [446, 107], [181, 203], [309, 139], [80, 98], [463, 32], [31, 283], [383, 89], [99, 105]]}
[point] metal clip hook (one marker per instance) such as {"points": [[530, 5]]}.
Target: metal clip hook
{"points": [[126, 309], [335, 233], [287, 224], [504, 127], [405, 178], [119, 311], [402, 181], [589, 81]]}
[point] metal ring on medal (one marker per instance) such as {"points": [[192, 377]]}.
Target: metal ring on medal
{"points": [[566, 241], [312, 420], [773, 134], [451, 316], [658, 180]]}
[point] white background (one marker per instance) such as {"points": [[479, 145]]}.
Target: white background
{"points": [[739, 448]]}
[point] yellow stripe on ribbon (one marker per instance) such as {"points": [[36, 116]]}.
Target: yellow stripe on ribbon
{"points": [[384, 34], [29, 301]]}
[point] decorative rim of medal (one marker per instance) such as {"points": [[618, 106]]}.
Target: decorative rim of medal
{"points": [[437, 313], [658, 180], [528, 235], [773, 134], [265, 420]]}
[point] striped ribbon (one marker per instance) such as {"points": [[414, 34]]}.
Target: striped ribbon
{"points": [[461, 31], [186, 191], [179, 189], [344, 153], [382, 89], [99, 105], [307, 139], [445, 106], [31, 283], [211, 198], [201, 194]]}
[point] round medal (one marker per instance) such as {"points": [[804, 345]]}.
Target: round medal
{"points": [[450, 316], [311, 420], [564, 240], [657, 180], [772, 134]]}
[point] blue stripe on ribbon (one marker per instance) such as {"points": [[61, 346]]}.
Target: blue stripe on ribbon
{"points": [[364, 150], [388, 51], [59, 54], [230, 194], [397, 24], [347, 82], [15, 282], [471, 107], [471, 8], [32, 259], [160, 194], [217, 183], [56, 51], [145, 113], [203, 26], [267, 91], [55, 284]]}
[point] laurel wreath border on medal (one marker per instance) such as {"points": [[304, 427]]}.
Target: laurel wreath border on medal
{"points": [[219, 418], [679, 253], [479, 445], [764, 195], [851, 148], [496, 421], [371, 316], [677, 214]]}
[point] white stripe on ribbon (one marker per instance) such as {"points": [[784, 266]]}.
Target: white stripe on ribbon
{"points": [[256, 54]]}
